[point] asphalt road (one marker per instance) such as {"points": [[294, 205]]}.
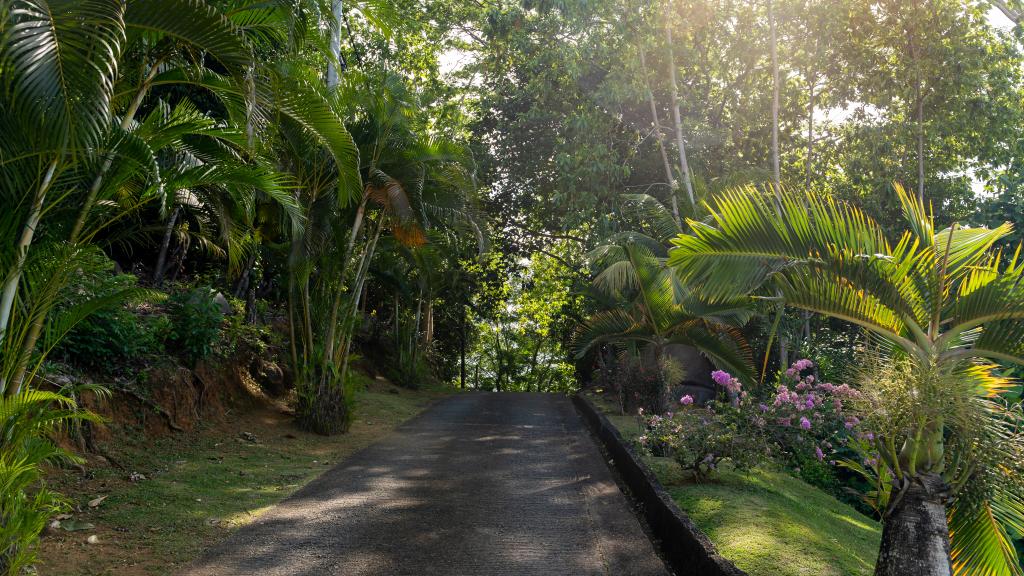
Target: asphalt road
{"points": [[480, 484]]}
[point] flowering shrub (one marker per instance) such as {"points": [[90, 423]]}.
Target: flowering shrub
{"points": [[699, 438], [802, 423], [805, 418]]}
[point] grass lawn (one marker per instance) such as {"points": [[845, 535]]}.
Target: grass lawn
{"points": [[200, 486], [768, 522]]}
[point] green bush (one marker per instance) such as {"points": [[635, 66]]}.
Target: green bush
{"points": [[699, 439], [27, 421], [109, 338], [195, 323]]}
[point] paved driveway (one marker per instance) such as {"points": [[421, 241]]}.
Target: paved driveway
{"points": [[480, 484]]}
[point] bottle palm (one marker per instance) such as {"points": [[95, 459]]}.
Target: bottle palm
{"points": [[941, 303]]}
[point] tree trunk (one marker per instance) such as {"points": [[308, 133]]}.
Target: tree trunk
{"points": [[462, 350], [126, 122], [810, 134], [776, 171], [915, 537], [165, 244], [10, 287], [684, 166], [334, 65], [783, 351], [915, 57], [428, 336], [920, 145], [660, 135]]}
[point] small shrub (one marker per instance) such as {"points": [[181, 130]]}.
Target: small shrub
{"points": [[109, 338], [699, 439], [27, 421], [195, 323]]}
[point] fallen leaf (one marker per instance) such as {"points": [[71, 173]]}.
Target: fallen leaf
{"points": [[96, 501], [76, 525]]}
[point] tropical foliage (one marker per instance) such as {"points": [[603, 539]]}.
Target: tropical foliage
{"points": [[941, 305]]}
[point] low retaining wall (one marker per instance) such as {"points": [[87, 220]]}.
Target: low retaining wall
{"points": [[686, 549]]}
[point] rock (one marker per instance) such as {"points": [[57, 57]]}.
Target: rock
{"points": [[270, 377], [222, 302], [52, 528], [93, 539], [136, 477], [248, 437]]}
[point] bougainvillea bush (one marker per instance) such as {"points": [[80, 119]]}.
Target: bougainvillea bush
{"points": [[802, 424]]}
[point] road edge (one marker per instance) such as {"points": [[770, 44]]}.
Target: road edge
{"points": [[685, 548]]}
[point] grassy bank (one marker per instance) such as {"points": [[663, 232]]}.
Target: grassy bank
{"points": [[198, 487], [766, 521]]}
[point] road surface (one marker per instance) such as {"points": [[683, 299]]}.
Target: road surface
{"points": [[480, 484]]}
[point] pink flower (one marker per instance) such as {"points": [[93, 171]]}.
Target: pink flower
{"points": [[802, 364], [721, 377], [805, 423], [819, 453], [686, 400]]}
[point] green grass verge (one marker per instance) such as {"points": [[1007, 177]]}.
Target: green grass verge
{"points": [[766, 521], [200, 486]]}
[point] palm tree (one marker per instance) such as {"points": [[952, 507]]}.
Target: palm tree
{"points": [[646, 307], [943, 304]]}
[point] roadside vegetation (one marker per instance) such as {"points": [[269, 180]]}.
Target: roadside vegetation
{"points": [[783, 234], [193, 489]]}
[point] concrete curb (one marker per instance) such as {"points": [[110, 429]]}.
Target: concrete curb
{"points": [[686, 549]]}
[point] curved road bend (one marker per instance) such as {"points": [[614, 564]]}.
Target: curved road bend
{"points": [[481, 484]]}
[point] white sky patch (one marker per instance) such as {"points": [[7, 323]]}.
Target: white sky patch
{"points": [[998, 20]]}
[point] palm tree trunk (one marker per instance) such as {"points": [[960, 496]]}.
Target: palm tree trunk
{"points": [[915, 57], [915, 536], [920, 145], [462, 349], [660, 135], [776, 171], [684, 166], [428, 336], [357, 293], [334, 65], [810, 133], [21, 255], [165, 244], [126, 122], [346, 256]]}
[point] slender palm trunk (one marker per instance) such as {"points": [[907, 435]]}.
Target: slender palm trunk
{"points": [[660, 135], [920, 145], [810, 133], [462, 350], [165, 244], [428, 336], [346, 256], [684, 166], [10, 288], [776, 170], [334, 66], [915, 536], [126, 122], [360, 280]]}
